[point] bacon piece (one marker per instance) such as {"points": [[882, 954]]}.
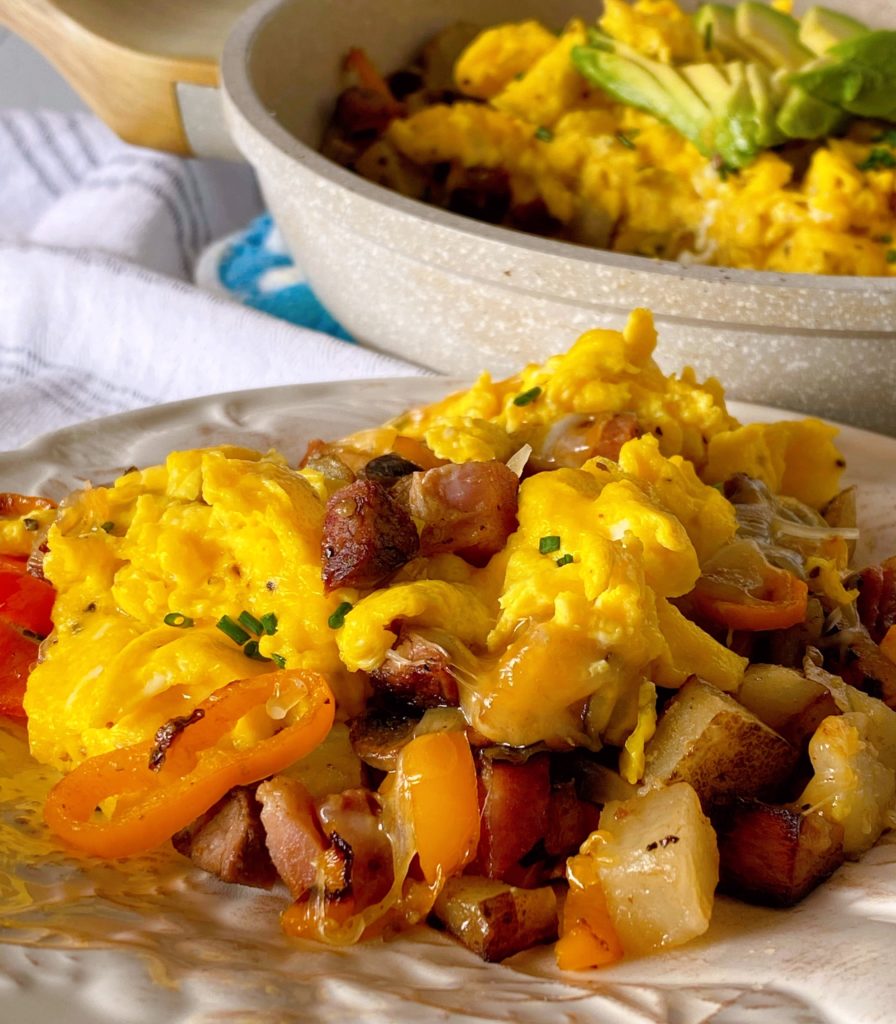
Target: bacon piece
{"points": [[514, 802], [417, 672], [366, 537], [570, 821], [468, 509], [294, 838], [877, 598], [866, 667], [775, 855], [358, 863], [229, 841]]}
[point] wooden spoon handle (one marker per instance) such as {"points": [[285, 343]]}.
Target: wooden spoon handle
{"points": [[133, 91]]}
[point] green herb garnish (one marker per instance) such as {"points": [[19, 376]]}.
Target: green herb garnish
{"points": [[278, 660], [527, 396], [564, 560], [337, 619], [269, 623], [548, 544], [888, 137], [248, 620], [232, 629], [108, 526], [707, 36], [178, 619], [625, 140], [878, 159], [544, 134], [251, 651], [891, 255]]}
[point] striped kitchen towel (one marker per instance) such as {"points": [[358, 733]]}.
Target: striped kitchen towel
{"points": [[98, 312]]}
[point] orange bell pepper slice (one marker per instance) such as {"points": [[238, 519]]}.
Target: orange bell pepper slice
{"points": [[12, 505], [440, 776], [783, 603], [588, 938], [197, 768], [18, 654], [25, 600]]}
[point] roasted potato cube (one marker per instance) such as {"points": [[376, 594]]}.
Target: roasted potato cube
{"points": [[786, 701], [775, 855], [707, 739], [496, 920], [658, 867]]}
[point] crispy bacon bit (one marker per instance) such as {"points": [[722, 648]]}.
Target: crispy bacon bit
{"points": [[228, 841], [877, 598], [167, 734], [417, 672], [388, 468], [514, 802], [366, 537], [294, 837], [468, 509], [776, 855]]}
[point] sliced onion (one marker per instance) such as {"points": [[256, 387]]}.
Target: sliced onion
{"points": [[818, 533], [517, 462]]}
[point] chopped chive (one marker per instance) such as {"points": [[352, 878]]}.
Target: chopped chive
{"points": [[564, 560], [891, 255], [527, 396], [230, 628], [269, 623], [251, 651], [889, 137], [178, 619], [30, 524], [878, 159], [707, 36], [625, 140], [519, 76], [548, 544], [278, 660], [108, 526], [883, 239], [248, 620], [544, 134], [337, 619]]}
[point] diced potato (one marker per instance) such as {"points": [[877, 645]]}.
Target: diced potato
{"points": [[659, 867], [851, 785], [496, 920], [786, 701], [707, 739], [776, 855]]}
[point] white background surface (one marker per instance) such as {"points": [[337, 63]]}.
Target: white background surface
{"points": [[28, 80]]}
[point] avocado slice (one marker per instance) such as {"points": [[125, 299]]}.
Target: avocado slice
{"points": [[821, 28], [766, 100], [656, 88], [715, 23], [736, 120], [802, 116], [858, 75], [772, 34]]}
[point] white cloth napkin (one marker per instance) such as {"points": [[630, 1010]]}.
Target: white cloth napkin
{"points": [[97, 243]]}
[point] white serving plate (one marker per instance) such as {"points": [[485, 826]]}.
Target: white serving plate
{"points": [[160, 943], [457, 295]]}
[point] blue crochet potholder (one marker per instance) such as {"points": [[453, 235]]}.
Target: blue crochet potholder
{"points": [[257, 269]]}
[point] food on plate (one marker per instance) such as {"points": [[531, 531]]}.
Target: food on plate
{"points": [[738, 136], [553, 657]]}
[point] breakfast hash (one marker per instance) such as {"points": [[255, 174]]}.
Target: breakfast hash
{"points": [[718, 138], [553, 658]]}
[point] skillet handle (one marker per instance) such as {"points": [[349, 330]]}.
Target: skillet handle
{"points": [[148, 99]]}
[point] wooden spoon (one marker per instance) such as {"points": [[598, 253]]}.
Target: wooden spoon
{"points": [[148, 68]]}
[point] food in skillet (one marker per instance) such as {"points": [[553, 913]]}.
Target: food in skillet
{"points": [[554, 656], [737, 137]]}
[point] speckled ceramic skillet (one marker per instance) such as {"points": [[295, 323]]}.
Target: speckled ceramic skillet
{"points": [[459, 296]]}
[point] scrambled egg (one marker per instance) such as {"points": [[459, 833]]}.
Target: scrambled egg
{"points": [[617, 178], [563, 646]]}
